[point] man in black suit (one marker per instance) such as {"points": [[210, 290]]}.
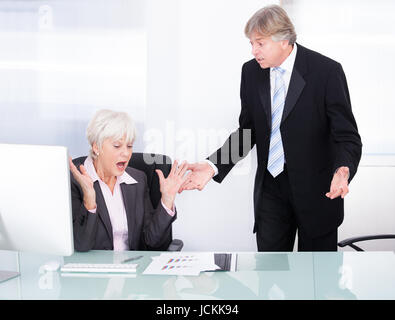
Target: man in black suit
{"points": [[296, 109]]}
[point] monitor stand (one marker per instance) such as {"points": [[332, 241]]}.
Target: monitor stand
{"points": [[6, 275]]}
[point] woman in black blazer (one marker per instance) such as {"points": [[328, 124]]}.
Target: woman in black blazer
{"points": [[110, 201]]}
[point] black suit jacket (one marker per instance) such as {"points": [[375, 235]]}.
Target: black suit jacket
{"points": [[318, 130], [146, 226]]}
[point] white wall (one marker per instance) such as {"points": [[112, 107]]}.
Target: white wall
{"points": [[196, 50]]}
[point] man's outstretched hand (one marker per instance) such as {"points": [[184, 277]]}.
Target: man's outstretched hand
{"points": [[202, 173], [339, 184]]}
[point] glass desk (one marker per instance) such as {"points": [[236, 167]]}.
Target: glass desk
{"points": [[262, 276]]}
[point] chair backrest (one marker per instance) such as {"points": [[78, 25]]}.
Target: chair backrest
{"points": [[148, 163]]}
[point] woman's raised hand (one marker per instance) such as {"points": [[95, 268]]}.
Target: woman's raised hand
{"points": [[86, 183], [169, 186]]}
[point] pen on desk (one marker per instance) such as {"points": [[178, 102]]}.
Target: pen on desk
{"points": [[132, 259]]}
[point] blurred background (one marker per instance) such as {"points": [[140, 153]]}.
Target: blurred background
{"points": [[175, 66]]}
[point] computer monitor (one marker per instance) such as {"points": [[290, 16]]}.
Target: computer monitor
{"points": [[35, 200]]}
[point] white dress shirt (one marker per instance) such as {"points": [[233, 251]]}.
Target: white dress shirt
{"points": [[115, 205], [288, 66]]}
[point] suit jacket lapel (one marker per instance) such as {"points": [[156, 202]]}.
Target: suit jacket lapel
{"points": [[264, 94], [129, 200], [297, 82], [103, 212], [296, 86]]}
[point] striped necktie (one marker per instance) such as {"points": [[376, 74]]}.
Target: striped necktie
{"points": [[275, 163]]}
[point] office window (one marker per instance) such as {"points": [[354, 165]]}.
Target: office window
{"points": [[60, 61]]}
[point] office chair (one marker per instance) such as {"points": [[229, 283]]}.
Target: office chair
{"points": [[148, 163], [350, 241]]}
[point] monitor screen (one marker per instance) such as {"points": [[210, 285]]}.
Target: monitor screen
{"points": [[35, 201]]}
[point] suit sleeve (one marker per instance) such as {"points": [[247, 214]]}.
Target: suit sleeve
{"points": [[343, 127], [239, 143], [157, 222], [84, 223]]}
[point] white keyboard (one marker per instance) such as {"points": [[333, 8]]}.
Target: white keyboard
{"points": [[99, 267]]}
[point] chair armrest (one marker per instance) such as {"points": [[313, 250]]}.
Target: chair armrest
{"points": [[175, 245], [350, 241]]}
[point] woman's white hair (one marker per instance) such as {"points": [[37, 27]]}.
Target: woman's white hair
{"points": [[109, 124]]}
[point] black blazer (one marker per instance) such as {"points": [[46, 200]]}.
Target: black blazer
{"points": [[146, 226], [318, 130]]}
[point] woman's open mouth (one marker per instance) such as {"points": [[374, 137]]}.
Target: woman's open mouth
{"points": [[121, 165]]}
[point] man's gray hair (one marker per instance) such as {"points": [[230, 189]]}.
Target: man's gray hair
{"points": [[271, 21], [109, 124]]}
